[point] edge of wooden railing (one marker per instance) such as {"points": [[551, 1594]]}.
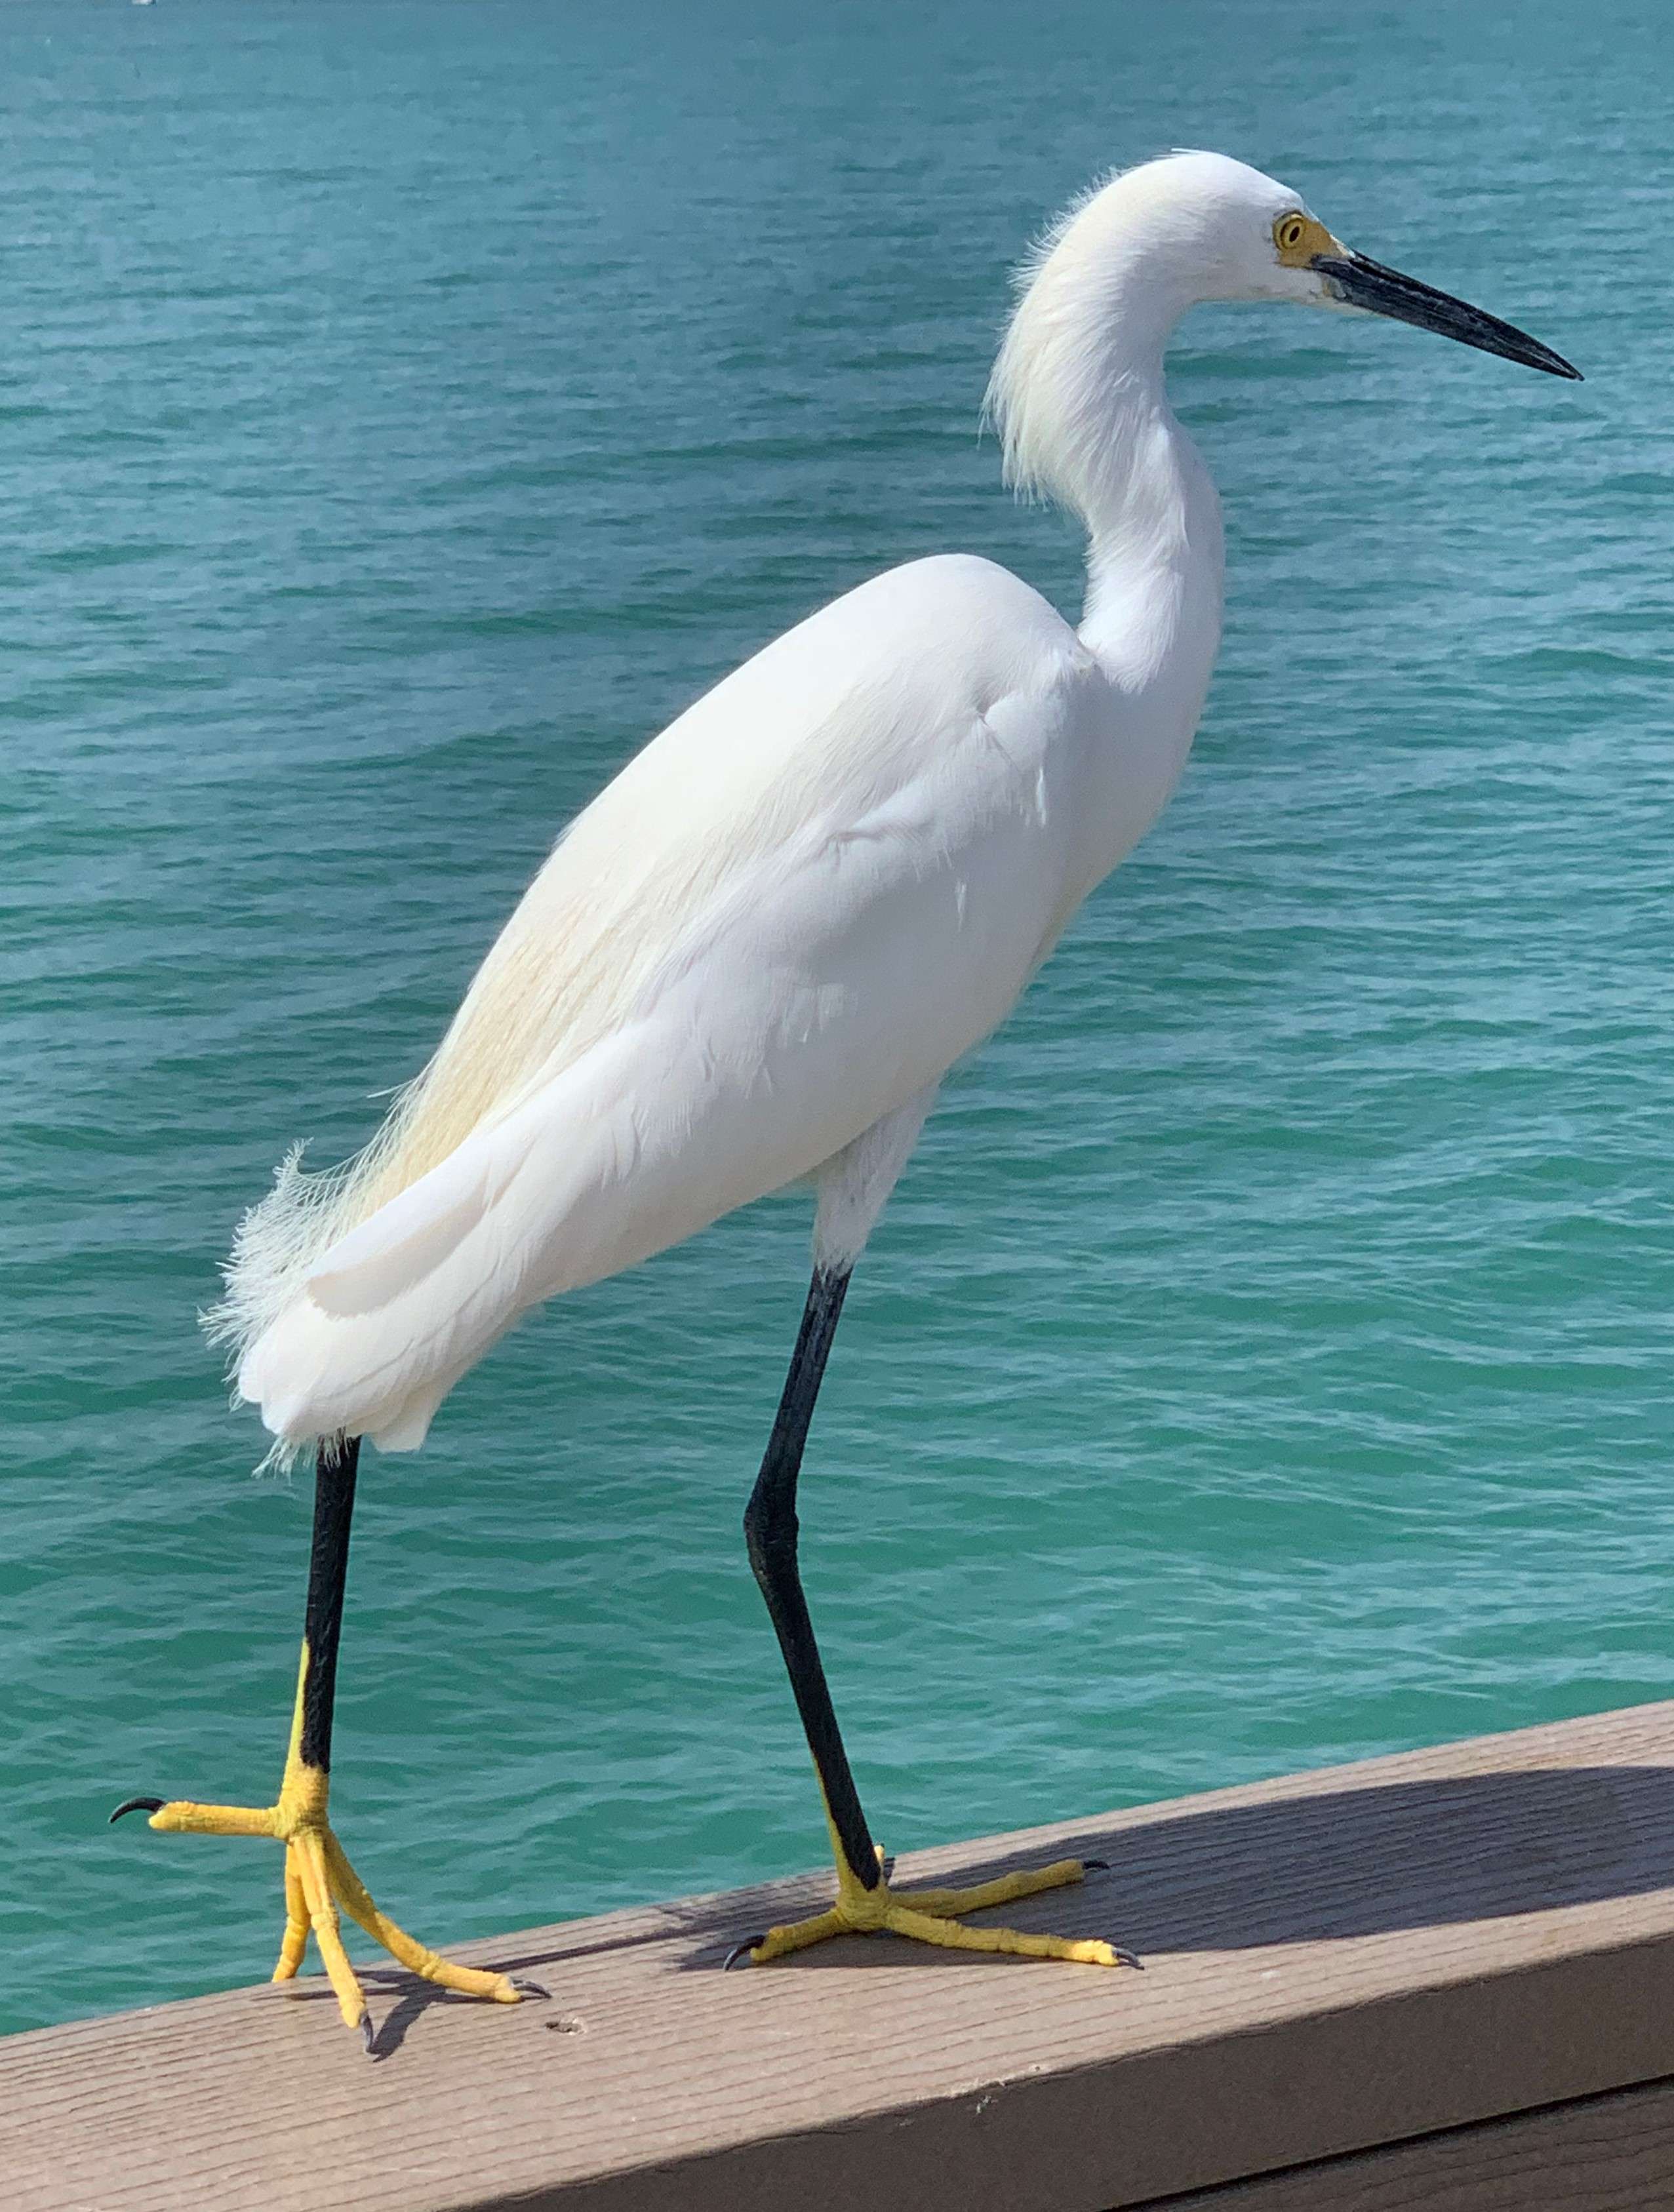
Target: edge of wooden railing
{"points": [[1363, 1956]]}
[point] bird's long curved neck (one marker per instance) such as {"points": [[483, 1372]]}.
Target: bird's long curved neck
{"points": [[1079, 396], [1079, 393], [1154, 560]]}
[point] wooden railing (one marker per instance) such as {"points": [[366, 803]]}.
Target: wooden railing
{"points": [[1444, 1979]]}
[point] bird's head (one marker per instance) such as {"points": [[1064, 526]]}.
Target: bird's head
{"points": [[1212, 228], [1108, 282]]}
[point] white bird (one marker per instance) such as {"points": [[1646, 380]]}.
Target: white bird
{"points": [[755, 955]]}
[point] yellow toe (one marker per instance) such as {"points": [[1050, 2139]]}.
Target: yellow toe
{"points": [[417, 1958], [1014, 1942], [798, 1934], [182, 1817], [1004, 1889], [309, 1851], [296, 1921]]}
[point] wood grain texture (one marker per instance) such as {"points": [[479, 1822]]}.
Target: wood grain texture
{"points": [[1334, 1961], [1612, 2153]]}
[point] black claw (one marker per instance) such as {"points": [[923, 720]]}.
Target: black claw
{"points": [[137, 1805], [1127, 1959], [369, 2040], [529, 1989], [1095, 1866], [740, 1951]]}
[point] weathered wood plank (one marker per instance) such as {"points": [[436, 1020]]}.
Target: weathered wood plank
{"points": [[1335, 1961], [1610, 2154]]}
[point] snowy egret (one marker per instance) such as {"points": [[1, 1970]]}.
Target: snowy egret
{"points": [[755, 955]]}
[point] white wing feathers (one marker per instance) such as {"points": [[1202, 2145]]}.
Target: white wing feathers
{"points": [[789, 914]]}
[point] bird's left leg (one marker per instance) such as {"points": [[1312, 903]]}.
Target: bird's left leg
{"points": [[865, 1902], [319, 1878]]}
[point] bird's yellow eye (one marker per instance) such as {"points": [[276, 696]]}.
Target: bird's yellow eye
{"points": [[1288, 232]]}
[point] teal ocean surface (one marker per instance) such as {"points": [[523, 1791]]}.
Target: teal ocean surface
{"points": [[405, 409]]}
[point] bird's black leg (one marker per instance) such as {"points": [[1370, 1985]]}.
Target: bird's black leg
{"points": [[335, 1470], [770, 1530], [865, 1901]]}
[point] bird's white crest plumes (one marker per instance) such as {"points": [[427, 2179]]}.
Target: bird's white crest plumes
{"points": [[1035, 341], [1099, 294]]}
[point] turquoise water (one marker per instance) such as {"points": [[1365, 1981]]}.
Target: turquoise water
{"points": [[405, 409]]}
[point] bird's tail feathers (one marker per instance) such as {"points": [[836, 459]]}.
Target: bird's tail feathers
{"points": [[281, 1239], [366, 1330]]}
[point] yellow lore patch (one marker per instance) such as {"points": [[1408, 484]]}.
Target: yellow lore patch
{"points": [[1300, 240]]}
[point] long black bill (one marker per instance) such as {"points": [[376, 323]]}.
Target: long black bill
{"points": [[1358, 283]]}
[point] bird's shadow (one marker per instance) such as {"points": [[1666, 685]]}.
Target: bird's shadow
{"points": [[1324, 1867]]}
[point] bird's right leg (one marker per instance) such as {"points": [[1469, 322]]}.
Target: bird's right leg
{"points": [[865, 1902], [319, 1877]]}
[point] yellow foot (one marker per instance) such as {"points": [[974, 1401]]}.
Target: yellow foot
{"points": [[931, 1916], [318, 1880]]}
